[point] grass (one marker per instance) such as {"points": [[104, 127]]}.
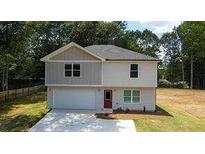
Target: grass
{"points": [[178, 110], [22, 113], [185, 107]]}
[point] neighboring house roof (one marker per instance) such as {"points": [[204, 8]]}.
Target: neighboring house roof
{"points": [[115, 53], [105, 53]]}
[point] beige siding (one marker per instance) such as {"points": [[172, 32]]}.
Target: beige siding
{"points": [[91, 73], [147, 99], [118, 74], [74, 53]]}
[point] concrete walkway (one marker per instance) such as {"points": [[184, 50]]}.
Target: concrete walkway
{"points": [[80, 121]]}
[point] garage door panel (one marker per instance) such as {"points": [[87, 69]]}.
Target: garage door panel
{"points": [[74, 99]]}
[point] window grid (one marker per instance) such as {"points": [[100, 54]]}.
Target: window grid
{"points": [[133, 98], [76, 70], [69, 70]]}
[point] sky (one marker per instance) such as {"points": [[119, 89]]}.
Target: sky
{"points": [[158, 27]]}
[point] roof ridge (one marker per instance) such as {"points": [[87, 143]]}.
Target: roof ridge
{"points": [[123, 49], [104, 52]]}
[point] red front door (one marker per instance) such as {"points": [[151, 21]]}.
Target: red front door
{"points": [[108, 99]]}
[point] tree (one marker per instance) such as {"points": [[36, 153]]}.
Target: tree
{"points": [[131, 38], [144, 42], [48, 37], [13, 42], [88, 33], [149, 42], [192, 36], [172, 56]]}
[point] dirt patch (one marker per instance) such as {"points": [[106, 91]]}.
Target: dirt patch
{"points": [[185, 100]]}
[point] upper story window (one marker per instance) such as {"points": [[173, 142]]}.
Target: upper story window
{"points": [[68, 70], [76, 70], [72, 70], [134, 71]]}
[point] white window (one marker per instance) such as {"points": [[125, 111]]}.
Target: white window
{"points": [[133, 70], [131, 96], [72, 70], [127, 96], [135, 96]]}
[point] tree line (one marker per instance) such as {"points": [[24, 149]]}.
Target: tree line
{"points": [[22, 44]]}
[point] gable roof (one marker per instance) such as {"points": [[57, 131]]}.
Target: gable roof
{"points": [[105, 53], [60, 50], [115, 53]]}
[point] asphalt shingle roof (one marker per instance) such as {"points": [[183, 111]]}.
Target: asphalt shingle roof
{"points": [[112, 52]]}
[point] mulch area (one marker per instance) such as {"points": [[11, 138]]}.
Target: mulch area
{"points": [[131, 115]]}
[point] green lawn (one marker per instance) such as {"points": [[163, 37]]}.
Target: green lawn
{"points": [[182, 110], [22, 113], [186, 109]]}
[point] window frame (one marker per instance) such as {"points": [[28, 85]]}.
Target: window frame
{"points": [[76, 70], [127, 96], [132, 96], [68, 70], [134, 71], [72, 70], [136, 96]]}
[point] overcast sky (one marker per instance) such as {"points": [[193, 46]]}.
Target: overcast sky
{"points": [[158, 27]]}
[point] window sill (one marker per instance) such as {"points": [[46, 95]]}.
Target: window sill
{"points": [[72, 77], [133, 78], [131, 103]]}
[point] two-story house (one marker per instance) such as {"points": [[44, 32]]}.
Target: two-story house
{"points": [[100, 77]]}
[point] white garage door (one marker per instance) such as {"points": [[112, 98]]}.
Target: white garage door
{"points": [[74, 99]]}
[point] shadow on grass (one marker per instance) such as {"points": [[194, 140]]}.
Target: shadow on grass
{"points": [[19, 123], [31, 99], [159, 112], [22, 100]]}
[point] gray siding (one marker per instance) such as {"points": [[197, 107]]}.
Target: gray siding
{"points": [[74, 53], [50, 97], [91, 74]]}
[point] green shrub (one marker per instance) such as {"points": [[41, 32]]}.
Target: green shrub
{"points": [[180, 84], [163, 83]]}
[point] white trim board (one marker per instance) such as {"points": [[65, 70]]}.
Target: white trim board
{"points": [[58, 51], [104, 86], [69, 85], [74, 61], [132, 61]]}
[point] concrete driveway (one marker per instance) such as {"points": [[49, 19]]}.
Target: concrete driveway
{"points": [[80, 121]]}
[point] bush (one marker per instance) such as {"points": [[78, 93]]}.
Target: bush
{"points": [[163, 83], [180, 84]]}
